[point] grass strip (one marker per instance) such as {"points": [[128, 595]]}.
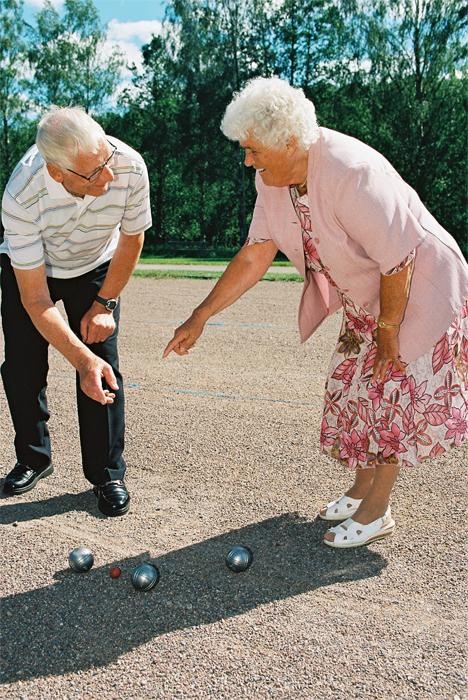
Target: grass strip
{"points": [[208, 275], [199, 261]]}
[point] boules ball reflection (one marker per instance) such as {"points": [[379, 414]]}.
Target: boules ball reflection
{"points": [[145, 577], [239, 558], [81, 559]]}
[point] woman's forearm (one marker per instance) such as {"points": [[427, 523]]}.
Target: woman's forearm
{"points": [[244, 270], [394, 293]]}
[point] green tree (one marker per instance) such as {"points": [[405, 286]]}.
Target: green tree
{"points": [[312, 40], [69, 58], [389, 72], [417, 79], [148, 123], [13, 102], [210, 60]]}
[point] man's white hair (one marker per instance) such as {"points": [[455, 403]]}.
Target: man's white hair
{"points": [[64, 133], [271, 111]]}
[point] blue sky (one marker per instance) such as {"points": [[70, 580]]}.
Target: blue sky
{"points": [[130, 10], [130, 22], [122, 10]]}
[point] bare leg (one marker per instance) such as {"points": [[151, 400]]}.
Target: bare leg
{"points": [[376, 501], [363, 479]]}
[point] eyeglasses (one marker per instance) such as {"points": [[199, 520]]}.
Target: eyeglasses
{"points": [[95, 174]]}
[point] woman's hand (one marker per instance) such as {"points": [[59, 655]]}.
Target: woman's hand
{"points": [[185, 336], [388, 353]]}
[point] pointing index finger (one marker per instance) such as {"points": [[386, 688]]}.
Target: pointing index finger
{"points": [[169, 347]]}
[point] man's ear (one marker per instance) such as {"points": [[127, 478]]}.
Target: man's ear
{"points": [[54, 172]]}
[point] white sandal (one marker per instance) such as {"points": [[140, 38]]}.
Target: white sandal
{"points": [[354, 534], [341, 509]]}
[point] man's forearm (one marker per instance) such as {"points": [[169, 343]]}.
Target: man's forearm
{"points": [[394, 293], [50, 324], [122, 265]]}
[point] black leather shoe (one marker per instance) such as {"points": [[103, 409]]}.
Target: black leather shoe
{"points": [[23, 478], [113, 498]]}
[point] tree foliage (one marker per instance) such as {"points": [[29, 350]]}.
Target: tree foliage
{"points": [[68, 57], [13, 102], [390, 72]]}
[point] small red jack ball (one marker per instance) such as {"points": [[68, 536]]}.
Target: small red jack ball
{"points": [[115, 572]]}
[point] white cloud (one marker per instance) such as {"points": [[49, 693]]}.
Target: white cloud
{"points": [[132, 53], [130, 37], [135, 32]]}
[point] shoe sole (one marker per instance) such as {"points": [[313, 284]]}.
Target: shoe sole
{"points": [[25, 489], [115, 513], [379, 536]]}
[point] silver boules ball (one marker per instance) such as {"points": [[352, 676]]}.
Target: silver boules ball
{"points": [[239, 558], [81, 559], [145, 577]]}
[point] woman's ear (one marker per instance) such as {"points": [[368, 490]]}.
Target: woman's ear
{"points": [[291, 144]]}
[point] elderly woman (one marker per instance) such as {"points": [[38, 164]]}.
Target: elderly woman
{"points": [[396, 392]]}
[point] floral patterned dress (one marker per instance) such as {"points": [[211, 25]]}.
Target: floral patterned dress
{"points": [[409, 417]]}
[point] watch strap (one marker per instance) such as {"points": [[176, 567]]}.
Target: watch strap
{"points": [[105, 302]]}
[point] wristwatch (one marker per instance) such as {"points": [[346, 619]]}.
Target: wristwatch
{"points": [[109, 304]]}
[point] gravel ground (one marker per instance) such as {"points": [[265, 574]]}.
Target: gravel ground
{"points": [[222, 449]]}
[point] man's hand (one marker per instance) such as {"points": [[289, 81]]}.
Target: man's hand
{"points": [[388, 353], [50, 324], [92, 373], [185, 336], [96, 325]]}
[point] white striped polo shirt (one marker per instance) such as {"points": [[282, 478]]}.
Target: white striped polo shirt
{"points": [[45, 224]]}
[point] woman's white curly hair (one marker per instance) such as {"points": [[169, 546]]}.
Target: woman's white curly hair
{"points": [[271, 111]]}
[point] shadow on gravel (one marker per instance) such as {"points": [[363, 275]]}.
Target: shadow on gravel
{"points": [[88, 619], [11, 511]]}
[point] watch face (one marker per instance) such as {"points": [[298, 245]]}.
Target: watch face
{"points": [[111, 304]]}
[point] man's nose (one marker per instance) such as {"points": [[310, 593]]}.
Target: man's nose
{"points": [[107, 174]]}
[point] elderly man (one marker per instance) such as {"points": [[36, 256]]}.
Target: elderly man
{"points": [[74, 211]]}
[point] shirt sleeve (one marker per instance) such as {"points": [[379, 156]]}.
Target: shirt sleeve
{"points": [[404, 263], [374, 208], [258, 230], [22, 237], [137, 215]]}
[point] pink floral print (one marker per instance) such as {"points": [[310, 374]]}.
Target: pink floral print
{"points": [[365, 325], [354, 446], [392, 441], [457, 426]]}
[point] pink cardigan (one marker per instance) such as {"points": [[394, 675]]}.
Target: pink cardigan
{"points": [[366, 220]]}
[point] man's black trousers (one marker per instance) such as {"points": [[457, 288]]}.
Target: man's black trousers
{"points": [[24, 374]]}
